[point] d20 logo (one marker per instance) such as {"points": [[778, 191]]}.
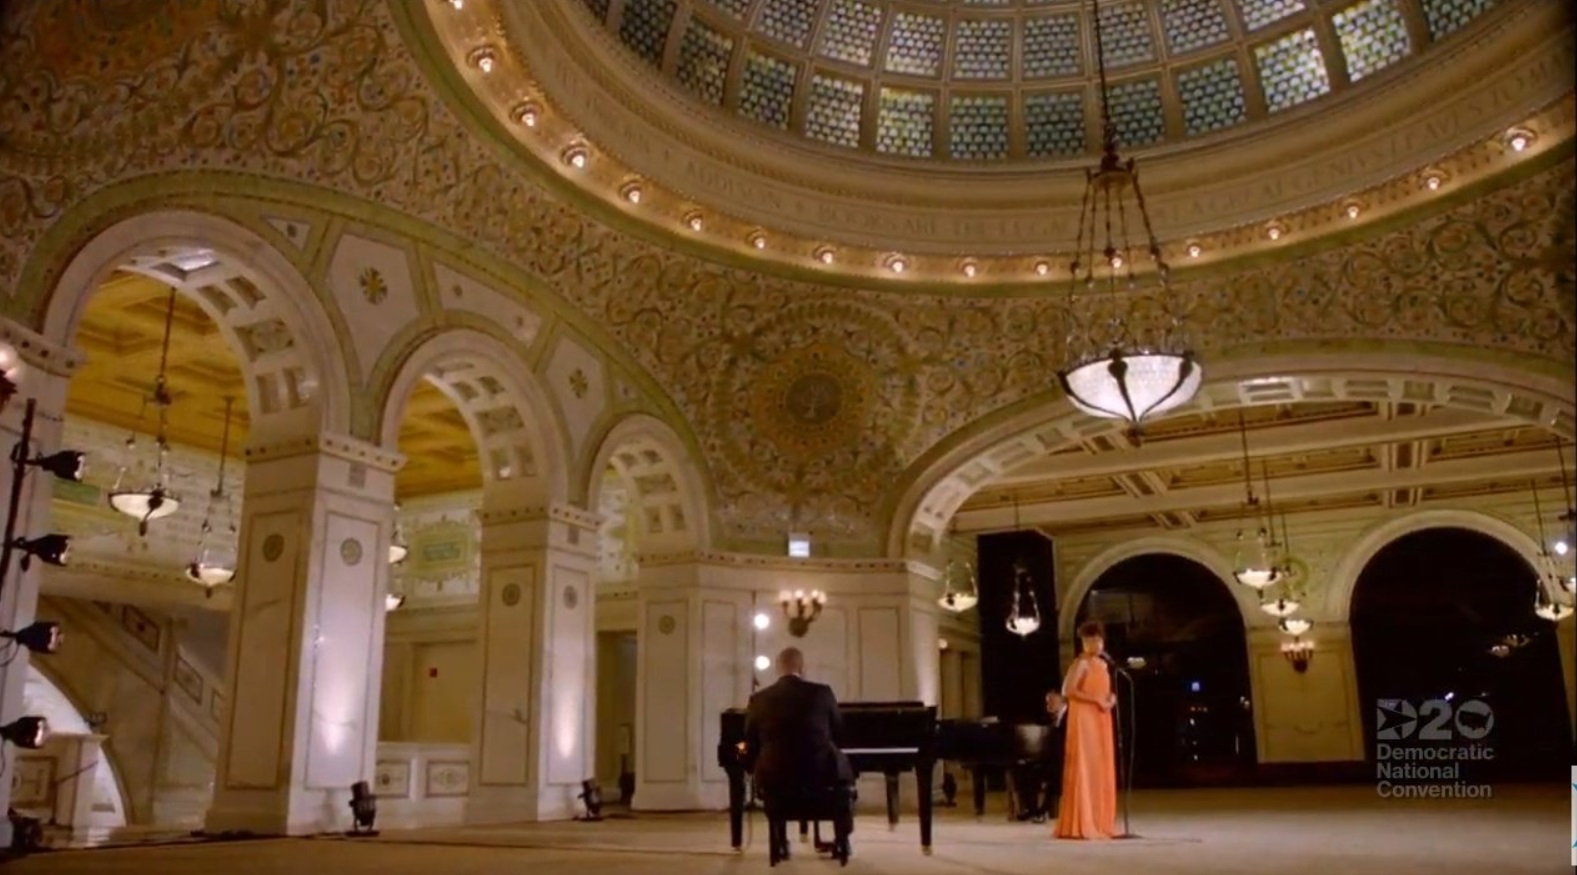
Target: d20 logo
{"points": [[1395, 719]]}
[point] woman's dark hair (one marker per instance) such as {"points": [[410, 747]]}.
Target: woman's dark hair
{"points": [[1091, 629]]}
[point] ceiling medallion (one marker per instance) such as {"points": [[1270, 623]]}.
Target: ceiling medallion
{"points": [[1113, 373]]}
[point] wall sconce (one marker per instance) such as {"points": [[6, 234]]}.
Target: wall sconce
{"points": [[801, 608], [1299, 653]]}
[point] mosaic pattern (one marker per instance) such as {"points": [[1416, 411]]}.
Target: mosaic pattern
{"points": [[644, 27], [766, 90], [1193, 24], [736, 8], [1051, 47], [981, 49], [978, 127], [1258, 13], [1212, 97], [1448, 16], [834, 112], [703, 62], [787, 21], [1054, 124], [1125, 35], [905, 123], [1373, 36], [598, 8], [1292, 70], [914, 46], [850, 31], [1136, 111]]}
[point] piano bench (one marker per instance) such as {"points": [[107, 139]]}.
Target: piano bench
{"points": [[834, 804]]}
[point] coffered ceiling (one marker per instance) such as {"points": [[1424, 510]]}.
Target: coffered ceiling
{"points": [[122, 332], [1188, 471]]}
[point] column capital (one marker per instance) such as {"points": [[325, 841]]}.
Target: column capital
{"points": [[39, 352], [345, 447]]}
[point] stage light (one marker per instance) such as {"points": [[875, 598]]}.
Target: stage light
{"points": [[761, 621], [65, 465], [363, 810], [763, 663], [26, 732], [40, 637], [591, 796], [49, 549]]}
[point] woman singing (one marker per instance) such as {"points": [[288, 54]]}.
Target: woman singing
{"points": [[1089, 772]]}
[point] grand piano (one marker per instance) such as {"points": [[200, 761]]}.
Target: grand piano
{"points": [[982, 746], [887, 738]]}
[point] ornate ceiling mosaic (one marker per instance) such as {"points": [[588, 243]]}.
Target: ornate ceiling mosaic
{"points": [[992, 80]]}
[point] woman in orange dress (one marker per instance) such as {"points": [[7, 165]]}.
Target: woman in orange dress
{"points": [[1089, 772]]}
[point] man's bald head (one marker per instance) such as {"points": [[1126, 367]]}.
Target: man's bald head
{"points": [[791, 661]]}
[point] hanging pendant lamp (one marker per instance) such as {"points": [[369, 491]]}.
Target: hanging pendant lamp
{"points": [[153, 499], [1255, 566], [1547, 580], [958, 595], [397, 547], [215, 563], [1023, 620]]}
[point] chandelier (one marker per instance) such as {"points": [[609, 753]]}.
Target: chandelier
{"points": [[1121, 373], [1566, 535], [153, 499], [1294, 626], [1299, 653], [397, 546], [1255, 566], [215, 563], [801, 608], [1548, 580], [1023, 620], [960, 599]]}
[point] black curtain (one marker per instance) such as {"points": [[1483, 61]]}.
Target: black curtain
{"points": [[1017, 672]]}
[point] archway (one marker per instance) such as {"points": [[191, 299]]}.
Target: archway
{"points": [[1179, 629], [1441, 617], [649, 496], [43, 697]]}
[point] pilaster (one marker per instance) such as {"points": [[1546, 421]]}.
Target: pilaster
{"points": [[535, 742], [876, 640], [1566, 637], [1309, 716], [306, 636]]}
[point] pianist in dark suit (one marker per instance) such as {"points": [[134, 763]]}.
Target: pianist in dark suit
{"points": [[791, 740], [1038, 785]]}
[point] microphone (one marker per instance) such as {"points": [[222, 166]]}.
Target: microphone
{"points": [[1112, 661]]}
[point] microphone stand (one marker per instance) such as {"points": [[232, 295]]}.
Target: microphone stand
{"points": [[1125, 763]]}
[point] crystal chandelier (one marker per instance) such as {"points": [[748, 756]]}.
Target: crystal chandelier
{"points": [[1255, 566], [1121, 374], [152, 500], [215, 563], [1023, 620]]}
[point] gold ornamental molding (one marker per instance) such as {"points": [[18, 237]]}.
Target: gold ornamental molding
{"points": [[565, 90]]}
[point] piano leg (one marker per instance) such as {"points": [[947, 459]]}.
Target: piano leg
{"points": [[804, 831], [978, 779], [736, 809], [892, 800], [923, 771]]}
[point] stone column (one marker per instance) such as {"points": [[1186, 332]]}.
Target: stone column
{"points": [[306, 637], [46, 370], [875, 641], [1311, 716], [535, 735]]}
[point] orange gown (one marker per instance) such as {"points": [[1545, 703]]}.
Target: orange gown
{"points": [[1089, 771]]}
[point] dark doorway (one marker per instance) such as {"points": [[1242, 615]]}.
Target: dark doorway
{"points": [[1445, 616], [1191, 722]]}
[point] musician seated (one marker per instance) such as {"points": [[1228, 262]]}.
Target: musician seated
{"points": [[791, 733], [1039, 786]]}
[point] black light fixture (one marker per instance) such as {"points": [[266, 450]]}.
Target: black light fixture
{"points": [[64, 465], [363, 810], [39, 637], [591, 796], [49, 549], [26, 732], [67, 464]]}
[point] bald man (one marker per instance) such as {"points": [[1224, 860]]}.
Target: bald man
{"points": [[791, 732]]}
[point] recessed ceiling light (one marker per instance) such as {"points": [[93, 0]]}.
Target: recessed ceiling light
{"points": [[898, 265], [1042, 268], [1273, 231], [1433, 180], [483, 59], [1194, 250], [632, 192], [527, 114], [693, 220], [970, 269], [1353, 210], [1117, 262], [758, 240], [575, 156], [1519, 139], [824, 255]]}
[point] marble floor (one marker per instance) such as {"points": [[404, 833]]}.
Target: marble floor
{"points": [[1346, 830]]}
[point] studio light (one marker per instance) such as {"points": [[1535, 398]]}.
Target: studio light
{"points": [[42, 637], [763, 663], [363, 810], [591, 796], [761, 621], [49, 549], [26, 732], [65, 465]]}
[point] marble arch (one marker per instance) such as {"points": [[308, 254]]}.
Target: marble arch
{"points": [[1106, 560], [296, 377], [517, 432], [1344, 578], [48, 697], [942, 481], [671, 489]]}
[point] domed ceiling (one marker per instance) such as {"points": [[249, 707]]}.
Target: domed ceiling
{"points": [[996, 80]]}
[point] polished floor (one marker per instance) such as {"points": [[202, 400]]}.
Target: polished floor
{"points": [[1346, 830]]}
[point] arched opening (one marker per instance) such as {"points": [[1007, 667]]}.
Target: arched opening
{"points": [[431, 665], [1442, 617], [42, 697], [1180, 632]]}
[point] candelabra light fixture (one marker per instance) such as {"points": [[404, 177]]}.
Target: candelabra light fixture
{"points": [[215, 563], [1255, 565], [1299, 653], [1114, 371], [153, 499], [801, 608]]}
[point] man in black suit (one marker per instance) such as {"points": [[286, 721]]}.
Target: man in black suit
{"points": [[1030, 779], [791, 741]]}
